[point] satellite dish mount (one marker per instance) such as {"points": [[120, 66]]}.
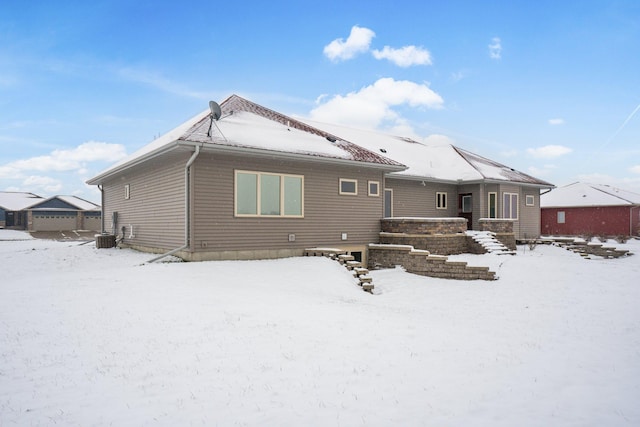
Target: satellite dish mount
{"points": [[216, 112]]}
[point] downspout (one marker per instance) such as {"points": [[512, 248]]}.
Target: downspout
{"points": [[187, 208], [100, 187]]}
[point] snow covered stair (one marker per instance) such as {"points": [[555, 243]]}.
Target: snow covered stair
{"points": [[587, 249], [359, 272], [488, 241]]}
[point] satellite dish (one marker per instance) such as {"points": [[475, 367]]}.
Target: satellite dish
{"points": [[216, 112]]}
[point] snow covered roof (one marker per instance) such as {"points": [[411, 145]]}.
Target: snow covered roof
{"points": [[436, 160], [16, 201], [77, 202], [581, 194], [249, 127]]}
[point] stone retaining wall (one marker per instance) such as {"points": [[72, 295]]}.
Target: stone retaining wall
{"points": [[424, 225], [507, 239], [423, 263], [503, 229], [497, 225], [443, 236], [441, 244]]}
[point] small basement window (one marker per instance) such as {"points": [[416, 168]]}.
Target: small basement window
{"points": [[348, 187]]}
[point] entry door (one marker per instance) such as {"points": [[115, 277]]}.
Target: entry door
{"points": [[465, 208], [9, 219]]}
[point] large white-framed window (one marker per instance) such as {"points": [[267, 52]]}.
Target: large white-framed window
{"points": [[348, 187], [374, 188], [268, 194], [492, 204], [441, 200], [510, 205]]}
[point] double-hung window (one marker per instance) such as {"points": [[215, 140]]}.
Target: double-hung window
{"points": [[269, 194], [510, 205]]}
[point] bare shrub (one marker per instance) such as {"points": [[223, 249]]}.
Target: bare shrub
{"points": [[531, 242], [622, 238], [588, 236]]}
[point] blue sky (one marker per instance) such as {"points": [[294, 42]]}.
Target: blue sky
{"points": [[550, 88]]}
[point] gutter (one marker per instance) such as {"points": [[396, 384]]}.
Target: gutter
{"points": [[187, 208], [408, 177]]}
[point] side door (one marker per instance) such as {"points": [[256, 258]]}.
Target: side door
{"points": [[465, 208]]}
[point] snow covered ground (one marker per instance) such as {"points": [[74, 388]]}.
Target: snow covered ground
{"points": [[96, 337]]}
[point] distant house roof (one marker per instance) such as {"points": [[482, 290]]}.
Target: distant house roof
{"points": [[251, 128], [66, 203], [436, 160], [17, 201], [581, 194]]}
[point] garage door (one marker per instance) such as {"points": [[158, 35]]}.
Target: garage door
{"points": [[54, 222]]}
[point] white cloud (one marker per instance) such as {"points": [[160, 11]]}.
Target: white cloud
{"points": [[405, 56], [549, 151], [44, 183], [65, 160], [635, 169], [556, 122], [544, 171], [509, 153], [372, 105], [458, 75], [157, 81], [358, 41], [495, 48]]}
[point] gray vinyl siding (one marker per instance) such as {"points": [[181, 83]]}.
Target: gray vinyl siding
{"points": [[327, 214], [528, 223], [156, 206], [412, 199], [530, 217]]}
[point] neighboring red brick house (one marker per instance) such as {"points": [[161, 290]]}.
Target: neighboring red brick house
{"points": [[581, 208]]}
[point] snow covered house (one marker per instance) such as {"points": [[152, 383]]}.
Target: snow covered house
{"points": [[442, 180], [62, 213], [255, 183], [590, 209], [27, 211], [12, 208]]}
